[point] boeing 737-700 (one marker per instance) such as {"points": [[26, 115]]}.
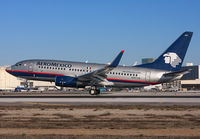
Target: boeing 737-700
{"points": [[166, 68]]}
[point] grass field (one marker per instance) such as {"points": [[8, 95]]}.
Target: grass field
{"points": [[64, 121]]}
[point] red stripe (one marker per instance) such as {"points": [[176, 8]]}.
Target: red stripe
{"points": [[34, 72], [131, 81]]}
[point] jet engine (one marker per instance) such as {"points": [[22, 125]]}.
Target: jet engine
{"points": [[66, 81]]}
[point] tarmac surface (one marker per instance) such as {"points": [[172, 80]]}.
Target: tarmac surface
{"points": [[76, 114], [111, 98]]}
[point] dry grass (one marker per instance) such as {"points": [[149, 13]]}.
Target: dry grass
{"points": [[140, 136], [99, 117], [99, 107]]}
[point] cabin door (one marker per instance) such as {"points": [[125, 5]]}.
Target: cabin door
{"points": [[148, 74], [30, 67]]}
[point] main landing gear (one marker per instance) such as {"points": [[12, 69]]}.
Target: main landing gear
{"points": [[94, 91]]}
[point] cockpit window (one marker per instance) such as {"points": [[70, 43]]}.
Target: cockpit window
{"points": [[18, 64]]}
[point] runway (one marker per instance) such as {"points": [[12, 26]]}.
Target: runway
{"points": [[111, 98], [103, 100]]}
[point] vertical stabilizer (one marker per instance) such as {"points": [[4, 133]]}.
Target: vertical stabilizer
{"points": [[173, 57]]}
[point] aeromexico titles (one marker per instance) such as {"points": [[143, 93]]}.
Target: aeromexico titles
{"points": [[166, 68]]}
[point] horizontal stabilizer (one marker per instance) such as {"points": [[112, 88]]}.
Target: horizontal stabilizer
{"points": [[177, 73]]}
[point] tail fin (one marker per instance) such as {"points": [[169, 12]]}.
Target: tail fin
{"points": [[173, 57]]}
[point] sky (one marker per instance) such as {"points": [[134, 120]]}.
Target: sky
{"points": [[95, 30]]}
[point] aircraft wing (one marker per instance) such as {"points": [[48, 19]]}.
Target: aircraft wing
{"points": [[99, 76]]}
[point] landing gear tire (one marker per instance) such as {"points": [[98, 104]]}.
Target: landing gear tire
{"points": [[94, 91]]}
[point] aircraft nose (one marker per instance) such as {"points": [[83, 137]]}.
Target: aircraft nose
{"points": [[8, 68]]}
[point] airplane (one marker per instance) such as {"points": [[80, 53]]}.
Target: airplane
{"points": [[166, 68]]}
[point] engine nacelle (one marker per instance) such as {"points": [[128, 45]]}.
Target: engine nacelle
{"points": [[66, 81]]}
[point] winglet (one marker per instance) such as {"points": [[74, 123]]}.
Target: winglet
{"points": [[116, 61]]}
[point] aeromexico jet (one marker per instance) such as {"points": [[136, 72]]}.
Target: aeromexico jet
{"points": [[166, 68]]}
